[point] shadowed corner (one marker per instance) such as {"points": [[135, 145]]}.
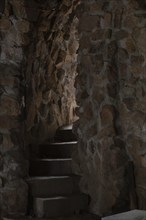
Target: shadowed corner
{"points": [[2, 6]]}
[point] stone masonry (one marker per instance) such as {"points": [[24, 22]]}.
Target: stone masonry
{"points": [[39, 42], [51, 69], [13, 157], [111, 98]]}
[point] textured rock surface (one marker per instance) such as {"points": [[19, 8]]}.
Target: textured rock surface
{"points": [[111, 96], [51, 69], [13, 162], [38, 45]]}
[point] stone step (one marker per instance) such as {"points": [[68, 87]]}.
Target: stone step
{"points": [[65, 134], [44, 187], [130, 215], [57, 150], [82, 216], [59, 206], [50, 167]]}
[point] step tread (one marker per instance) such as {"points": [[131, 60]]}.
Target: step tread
{"points": [[66, 127], [54, 186], [60, 205], [65, 135], [56, 150], [51, 167]]}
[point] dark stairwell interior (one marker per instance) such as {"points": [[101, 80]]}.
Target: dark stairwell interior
{"points": [[54, 188], [50, 104], [39, 45]]}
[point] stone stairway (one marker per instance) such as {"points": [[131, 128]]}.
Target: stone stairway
{"points": [[53, 187]]}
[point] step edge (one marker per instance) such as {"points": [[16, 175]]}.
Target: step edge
{"points": [[62, 197], [53, 177], [50, 159], [47, 178], [59, 143]]}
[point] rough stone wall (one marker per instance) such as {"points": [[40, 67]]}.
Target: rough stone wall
{"points": [[38, 53], [111, 95], [13, 162], [38, 44], [51, 70]]}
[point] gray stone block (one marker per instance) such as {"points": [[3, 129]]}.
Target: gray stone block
{"points": [[131, 215]]}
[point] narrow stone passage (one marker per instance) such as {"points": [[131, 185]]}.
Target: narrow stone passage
{"points": [[54, 188], [80, 62]]}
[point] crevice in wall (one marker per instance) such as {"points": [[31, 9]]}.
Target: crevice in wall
{"points": [[51, 71]]}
